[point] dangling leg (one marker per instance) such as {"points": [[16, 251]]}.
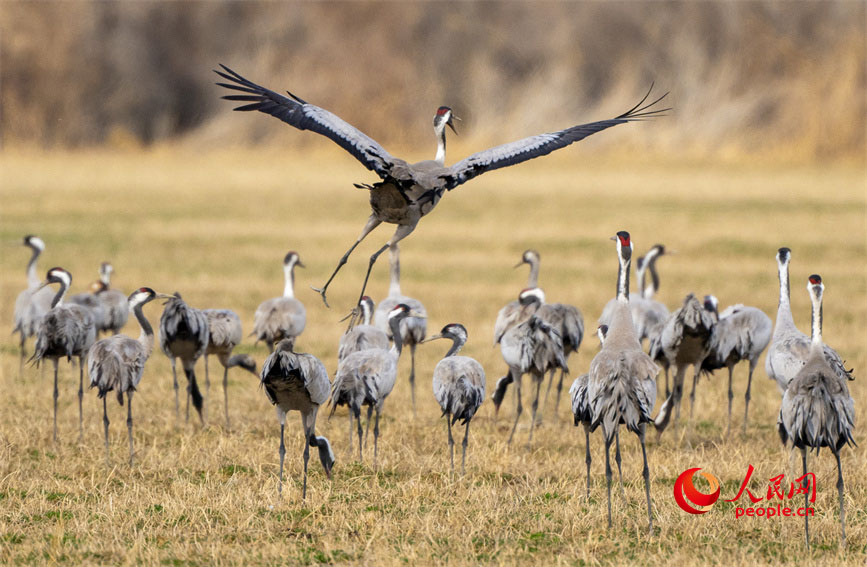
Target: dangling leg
{"points": [[731, 397], [806, 498], [645, 472], [56, 395], [175, 382], [412, 376], [519, 408], [587, 458], [105, 423], [618, 460], [376, 438], [226, 394], [367, 427], [129, 422], [401, 232], [747, 395], [372, 222], [840, 492], [464, 451], [451, 441], [608, 471], [308, 433], [538, 379], [80, 398], [282, 417]]}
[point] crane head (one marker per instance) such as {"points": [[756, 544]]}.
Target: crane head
{"points": [[34, 242], [292, 258], [784, 255], [444, 117]]}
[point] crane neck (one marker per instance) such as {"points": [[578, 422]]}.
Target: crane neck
{"points": [[533, 278], [365, 313], [146, 338], [32, 278], [289, 276], [785, 308], [457, 345], [640, 270], [623, 281], [441, 143], [394, 325], [394, 271], [651, 290], [105, 277], [816, 321], [61, 293]]}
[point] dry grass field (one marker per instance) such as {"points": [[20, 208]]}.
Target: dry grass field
{"points": [[215, 227]]}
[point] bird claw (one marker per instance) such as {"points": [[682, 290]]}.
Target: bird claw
{"points": [[321, 291]]}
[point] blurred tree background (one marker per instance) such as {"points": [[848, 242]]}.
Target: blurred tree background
{"points": [[775, 79]]}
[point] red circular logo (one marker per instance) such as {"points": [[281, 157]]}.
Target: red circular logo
{"points": [[690, 499]]}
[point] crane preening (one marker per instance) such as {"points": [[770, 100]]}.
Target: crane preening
{"points": [[407, 192]]}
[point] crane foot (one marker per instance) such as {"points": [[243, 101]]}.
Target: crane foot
{"points": [[321, 291]]}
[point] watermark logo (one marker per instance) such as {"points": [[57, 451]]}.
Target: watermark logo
{"points": [[774, 503], [689, 498]]}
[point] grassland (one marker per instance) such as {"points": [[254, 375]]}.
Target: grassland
{"points": [[216, 226]]}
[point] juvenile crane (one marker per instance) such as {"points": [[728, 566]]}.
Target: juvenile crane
{"points": [[32, 303], [584, 417], [65, 330], [407, 192], [116, 363], [458, 386], [367, 377], [281, 317], [817, 410], [621, 388], [298, 381], [740, 333], [184, 335], [224, 334], [789, 347], [362, 336], [412, 329]]}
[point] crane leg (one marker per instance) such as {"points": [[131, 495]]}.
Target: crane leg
{"points": [[806, 498], [282, 455], [667, 390], [451, 441], [129, 423], [23, 355], [645, 472], [559, 391], [207, 379], [731, 397], [367, 427], [226, 394], [175, 381], [608, 473], [372, 222], [80, 398], [376, 439], [840, 493], [412, 376], [518, 409], [547, 393], [56, 395], [105, 424], [692, 392], [747, 394], [538, 380], [587, 458], [349, 445], [358, 423], [464, 450], [308, 433], [618, 460], [677, 394]]}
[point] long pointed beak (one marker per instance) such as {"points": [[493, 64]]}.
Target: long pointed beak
{"points": [[451, 124], [413, 313], [519, 264], [348, 315], [667, 252], [300, 264], [43, 284], [433, 338], [614, 238], [164, 296]]}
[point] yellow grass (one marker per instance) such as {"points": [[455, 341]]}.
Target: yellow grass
{"points": [[215, 227]]}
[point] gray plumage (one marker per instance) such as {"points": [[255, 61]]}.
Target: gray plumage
{"points": [[114, 302], [458, 386], [89, 301], [299, 382], [790, 348], [407, 192], [65, 331], [740, 333], [184, 334], [621, 388], [224, 334], [362, 336], [581, 411], [684, 341], [281, 317], [817, 410], [412, 329], [116, 364], [569, 323], [32, 303], [513, 313], [367, 377]]}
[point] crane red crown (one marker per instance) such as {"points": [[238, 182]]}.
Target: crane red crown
{"points": [[442, 110], [815, 279]]}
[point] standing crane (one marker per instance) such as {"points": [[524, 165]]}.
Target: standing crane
{"points": [[583, 416], [116, 363], [789, 347], [114, 302], [367, 377], [184, 335], [281, 317], [407, 192], [621, 388], [458, 386], [513, 313], [412, 329], [224, 334], [362, 336], [740, 333], [65, 330], [817, 410], [32, 303], [298, 381]]}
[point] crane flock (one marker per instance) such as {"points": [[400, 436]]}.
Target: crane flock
{"points": [[535, 337]]}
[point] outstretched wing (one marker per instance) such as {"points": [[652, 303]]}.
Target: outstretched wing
{"points": [[543, 144], [305, 116]]}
